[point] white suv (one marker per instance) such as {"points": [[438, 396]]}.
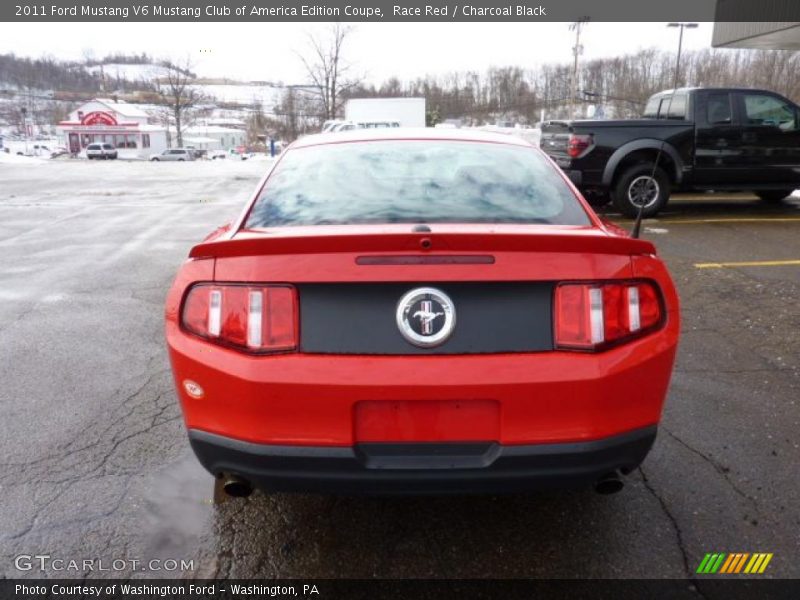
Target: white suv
{"points": [[173, 154], [101, 151]]}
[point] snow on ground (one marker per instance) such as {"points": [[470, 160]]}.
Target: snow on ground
{"points": [[142, 182], [41, 148], [8, 158]]}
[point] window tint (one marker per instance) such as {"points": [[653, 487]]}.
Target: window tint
{"points": [[395, 181], [93, 147], [761, 109], [651, 110], [718, 109], [676, 106], [658, 107]]}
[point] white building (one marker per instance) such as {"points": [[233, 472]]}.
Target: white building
{"points": [[213, 137], [226, 122], [123, 125]]}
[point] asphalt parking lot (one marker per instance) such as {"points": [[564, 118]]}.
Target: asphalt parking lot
{"points": [[95, 462]]}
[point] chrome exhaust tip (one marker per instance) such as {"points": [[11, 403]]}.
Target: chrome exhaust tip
{"points": [[236, 487], [609, 484]]}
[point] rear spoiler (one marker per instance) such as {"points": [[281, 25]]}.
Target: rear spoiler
{"points": [[590, 241]]}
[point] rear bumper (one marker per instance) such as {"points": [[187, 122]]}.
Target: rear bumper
{"points": [[422, 468], [341, 401], [583, 172]]}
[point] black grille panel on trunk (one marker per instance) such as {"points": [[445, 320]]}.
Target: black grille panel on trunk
{"points": [[491, 317]]}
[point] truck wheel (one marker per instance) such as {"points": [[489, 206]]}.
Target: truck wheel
{"points": [[640, 185], [773, 195]]}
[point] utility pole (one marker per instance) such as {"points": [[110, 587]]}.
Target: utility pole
{"points": [[24, 112], [680, 46], [577, 50]]}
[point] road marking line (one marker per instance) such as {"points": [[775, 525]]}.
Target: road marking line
{"points": [[734, 220], [720, 220], [751, 263]]}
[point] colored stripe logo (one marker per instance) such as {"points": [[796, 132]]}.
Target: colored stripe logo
{"points": [[733, 563]]}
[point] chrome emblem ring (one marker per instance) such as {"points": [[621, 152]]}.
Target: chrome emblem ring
{"points": [[426, 317]]}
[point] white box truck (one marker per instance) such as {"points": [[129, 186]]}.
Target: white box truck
{"points": [[385, 112]]}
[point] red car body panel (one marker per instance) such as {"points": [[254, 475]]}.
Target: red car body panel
{"points": [[554, 396], [333, 400]]}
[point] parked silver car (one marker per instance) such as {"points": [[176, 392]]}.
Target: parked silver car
{"points": [[101, 151], [173, 154]]}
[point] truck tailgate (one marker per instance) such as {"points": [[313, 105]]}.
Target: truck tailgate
{"points": [[555, 137]]}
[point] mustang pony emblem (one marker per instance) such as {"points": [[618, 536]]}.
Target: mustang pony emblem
{"points": [[427, 316]]}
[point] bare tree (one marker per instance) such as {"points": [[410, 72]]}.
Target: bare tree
{"points": [[297, 111], [327, 69], [179, 95], [163, 115]]}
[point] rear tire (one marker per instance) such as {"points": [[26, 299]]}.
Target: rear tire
{"points": [[773, 195], [641, 184], [153, 160]]}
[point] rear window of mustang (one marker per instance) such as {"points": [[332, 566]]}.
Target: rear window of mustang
{"points": [[392, 181]]}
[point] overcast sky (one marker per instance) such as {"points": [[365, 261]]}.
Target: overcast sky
{"points": [[268, 51]]}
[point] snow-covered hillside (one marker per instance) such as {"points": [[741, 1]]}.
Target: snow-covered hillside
{"points": [[142, 72], [243, 93]]}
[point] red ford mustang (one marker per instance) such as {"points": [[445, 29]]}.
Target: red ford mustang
{"points": [[420, 311]]}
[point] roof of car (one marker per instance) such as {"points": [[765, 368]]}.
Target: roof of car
{"points": [[711, 89], [409, 133]]}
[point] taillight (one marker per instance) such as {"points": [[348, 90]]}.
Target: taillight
{"points": [[589, 316], [253, 318], [578, 144]]}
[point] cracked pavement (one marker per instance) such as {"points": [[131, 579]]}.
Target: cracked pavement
{"points": [[95, 462]]}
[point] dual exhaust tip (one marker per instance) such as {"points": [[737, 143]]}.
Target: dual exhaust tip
{"points": [[236, 487], [609, 483]]}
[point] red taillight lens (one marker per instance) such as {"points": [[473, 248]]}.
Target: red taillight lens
{"points": [[573, 318], [578, 144], [280, 330], [253, 318], [649, 306], [195, 310], [589, 316], [234, 315]]}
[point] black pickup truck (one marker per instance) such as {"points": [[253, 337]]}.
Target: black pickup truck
{"points": [[723, 139]]}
